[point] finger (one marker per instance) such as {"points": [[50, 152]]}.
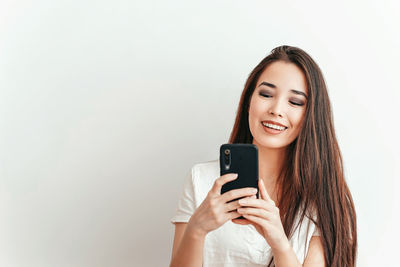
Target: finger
{"points": [[216, 189], [233, 215], [263, 190], [238, 193], [256, 203], [244, 222], [241, 221], [256, 220], [232, 206], [262, 213]]}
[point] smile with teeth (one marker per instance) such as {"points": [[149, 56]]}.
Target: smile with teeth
{"points": [[273, 126]]}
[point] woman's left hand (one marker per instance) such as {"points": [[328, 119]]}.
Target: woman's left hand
{"points": [[264, 215]]}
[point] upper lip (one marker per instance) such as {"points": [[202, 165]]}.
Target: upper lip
{"points": [[276, 123]]}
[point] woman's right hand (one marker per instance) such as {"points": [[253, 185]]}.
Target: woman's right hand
{"points": [[215, 210]]}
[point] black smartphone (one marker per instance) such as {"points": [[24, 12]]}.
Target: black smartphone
{"points": [[243, 160]]}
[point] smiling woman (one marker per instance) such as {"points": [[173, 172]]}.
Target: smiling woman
{"points": [[305, 214], [276, 107]]}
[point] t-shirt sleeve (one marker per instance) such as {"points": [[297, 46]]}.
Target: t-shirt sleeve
{"points": [[316, 232], [316, 229], [186, 204]]}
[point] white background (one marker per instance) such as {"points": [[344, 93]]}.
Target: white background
{"points": [[106, 105]]}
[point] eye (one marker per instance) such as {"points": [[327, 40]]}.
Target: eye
{"points": [[265, 95], [297, 103]]}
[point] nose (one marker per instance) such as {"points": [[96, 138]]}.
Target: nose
{"points": [[276, 108]]}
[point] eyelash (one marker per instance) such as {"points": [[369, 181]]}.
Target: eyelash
{"points": [[294, 103]]}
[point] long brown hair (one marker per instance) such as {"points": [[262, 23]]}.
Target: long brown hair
{"points": [[312, 178]]}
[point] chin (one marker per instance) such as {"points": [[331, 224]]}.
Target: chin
{"points": [[271, 144]]}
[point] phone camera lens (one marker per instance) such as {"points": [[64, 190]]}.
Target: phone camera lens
{"points": [[227, 158]]}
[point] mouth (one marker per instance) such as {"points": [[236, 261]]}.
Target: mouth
{"points": [[274, 126]]}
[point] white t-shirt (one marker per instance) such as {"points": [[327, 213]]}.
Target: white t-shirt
{"points": [[232, 244]]}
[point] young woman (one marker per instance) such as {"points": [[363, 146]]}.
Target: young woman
{"points": [[305, 214]]}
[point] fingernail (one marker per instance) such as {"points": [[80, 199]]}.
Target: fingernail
{"points": [[254, 190], [235, 175]]}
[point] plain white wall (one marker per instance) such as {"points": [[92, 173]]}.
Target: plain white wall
{"points": [[106, 105]]}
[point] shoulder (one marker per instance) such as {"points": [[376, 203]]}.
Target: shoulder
{"points": [[204, 174], [207, 166], [206, 170]]}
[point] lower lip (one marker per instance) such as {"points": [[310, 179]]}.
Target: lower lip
{"points": [[272, 131]]}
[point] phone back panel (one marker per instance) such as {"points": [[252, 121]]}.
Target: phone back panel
{"points": [[243, 161]]}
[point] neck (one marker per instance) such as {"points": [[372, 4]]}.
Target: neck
{"points": [[270, 161]]}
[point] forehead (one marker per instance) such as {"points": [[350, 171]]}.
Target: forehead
{"points": [[284, 75]]}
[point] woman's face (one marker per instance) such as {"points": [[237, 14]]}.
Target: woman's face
{"points": [[278, 105]]}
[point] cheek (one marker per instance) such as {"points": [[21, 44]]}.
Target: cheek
{"points": [[256, 108], [251, 111], [254, 115], [297, 119]]}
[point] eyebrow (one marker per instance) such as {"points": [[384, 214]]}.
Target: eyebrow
{"points": [[291, 90]]}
